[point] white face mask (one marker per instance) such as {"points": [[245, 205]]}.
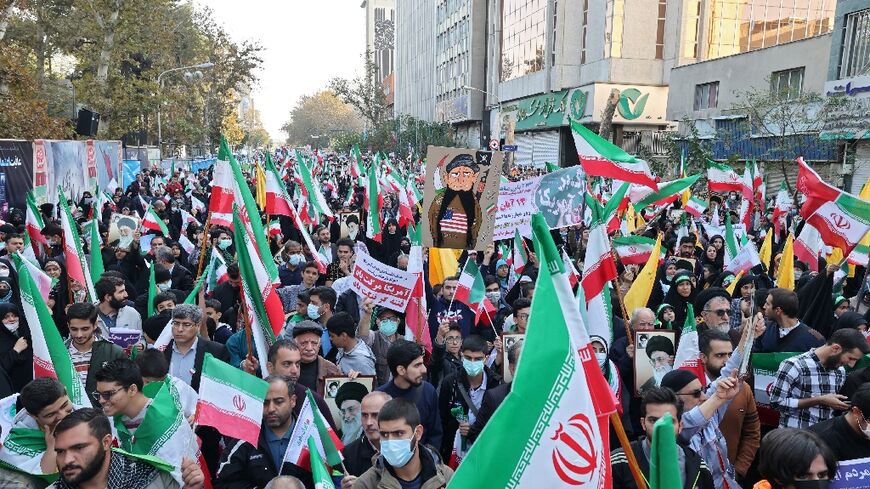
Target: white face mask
{"points": [[12, 327], [601, 357], [866, 429]]}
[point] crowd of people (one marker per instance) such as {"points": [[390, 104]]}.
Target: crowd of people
{"points": [[431, 397]]}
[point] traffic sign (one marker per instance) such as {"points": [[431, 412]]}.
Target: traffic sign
{"points": [[509, 147], [493, 144]]}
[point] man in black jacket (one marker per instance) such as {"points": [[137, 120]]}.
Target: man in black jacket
{"points": [[244, 466], [464, 389], [187, 350], [181, 277], [658, 401], [358, 454]]}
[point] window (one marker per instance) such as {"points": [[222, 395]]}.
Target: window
{"points": [[693, 19], [613, 28], [524, 37], [660, 30], [855, 53], [787, 83], [583, 32], [706, 96]]}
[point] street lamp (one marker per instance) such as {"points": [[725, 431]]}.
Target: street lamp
{"points": [[189, 76]]}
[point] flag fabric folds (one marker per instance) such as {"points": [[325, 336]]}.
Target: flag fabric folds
{"points": [[231, 400], [601, 158], [640, 290]]}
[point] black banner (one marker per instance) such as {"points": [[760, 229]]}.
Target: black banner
{"points": [[16, 173]]}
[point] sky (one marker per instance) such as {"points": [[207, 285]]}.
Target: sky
{"points": [[306, 43]]}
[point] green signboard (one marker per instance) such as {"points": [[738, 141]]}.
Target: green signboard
{"points": [[549, 110], [631, 103]]}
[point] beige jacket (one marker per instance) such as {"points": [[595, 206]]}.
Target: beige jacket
{"points": [[378, 477]]}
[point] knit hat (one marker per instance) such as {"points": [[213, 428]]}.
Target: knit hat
{"points": [[677, 379], [500, 263]]}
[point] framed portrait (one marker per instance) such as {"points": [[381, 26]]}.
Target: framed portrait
{"points": [[653, 358], [121, 229], [350, 222], [508, 340], [334, 390]]}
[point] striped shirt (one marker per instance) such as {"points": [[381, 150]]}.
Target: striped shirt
{"points": [[454, 222], [81, 361]]}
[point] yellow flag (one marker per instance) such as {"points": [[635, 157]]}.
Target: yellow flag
{"points": [[733, 284], [638, 293], [630, 221], [261, 188], [836, 256], [640, 222], [785, 274], [766, 250], [443, 263]]}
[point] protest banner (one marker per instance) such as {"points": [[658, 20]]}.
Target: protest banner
{"points": [[16, 172], [852, 474], [460, 197], [557, 195], [387, 286], [125, 337]]}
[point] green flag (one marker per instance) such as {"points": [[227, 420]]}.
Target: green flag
{"points": [[96, 261], [664, 469], [318, 469], [152, 289], [551, 167], [333, 456]]}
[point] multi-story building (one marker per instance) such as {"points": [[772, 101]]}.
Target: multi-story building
{"points": [[765, 47], [380, 30], [415, 60], [849, 85]]}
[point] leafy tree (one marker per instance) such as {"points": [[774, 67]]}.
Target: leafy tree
{"points": [[232, 130], [318, 115], [256, 135], [24, 116], [364, 93]]}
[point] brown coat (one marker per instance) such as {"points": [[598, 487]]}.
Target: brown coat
{"points": [[742, 430], [452, 239]]}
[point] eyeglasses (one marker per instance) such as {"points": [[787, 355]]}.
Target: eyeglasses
{"points": [[719, 312], [695, 393], [182, 325], [105, 395], [453, 339], [522, 316]]}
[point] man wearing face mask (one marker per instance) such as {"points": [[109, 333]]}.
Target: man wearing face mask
{"points": [[848, 435], [290, 272], [387, 321], [465, 390], [181, 277], [404, 461]]}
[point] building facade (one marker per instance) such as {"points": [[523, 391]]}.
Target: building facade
{"points": [[380, 40], [415, 60], [848, 85]]}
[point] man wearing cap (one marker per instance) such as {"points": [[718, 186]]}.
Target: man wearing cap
{"points": [[454, 215], [660, 351], [314, 368], [349, 399], [702, 413]]}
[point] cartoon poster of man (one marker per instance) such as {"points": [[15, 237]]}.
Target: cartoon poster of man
{"points": [[460, 197]]}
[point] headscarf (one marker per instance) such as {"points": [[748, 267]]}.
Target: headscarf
{"points": [[850, 320], [680, 303]]}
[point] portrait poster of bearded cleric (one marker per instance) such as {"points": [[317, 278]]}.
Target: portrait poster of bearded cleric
{"points": [[460, 197]]}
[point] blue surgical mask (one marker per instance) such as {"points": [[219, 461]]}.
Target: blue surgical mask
{"points": [[398, 452], [164, 286], [472, 367], [295, 260], [313, 311], [388, 326], [225, 243]]}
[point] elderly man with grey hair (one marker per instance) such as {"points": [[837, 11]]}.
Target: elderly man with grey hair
{"points": [[181, 277], [187, 350], [285, 482]]}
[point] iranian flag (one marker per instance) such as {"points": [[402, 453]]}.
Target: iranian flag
{"points": [[841, 218], [216, 271], [76, 265], [746, 258], [264, 306], [33, 221], [406, 214], [222, 188], [695, 206], [278, 201], [552, 429], [153, 222], [186, 220], [746, 205], [667, 192], [306, 237], [634, 250], [601, 158], [688, 356], [311, 423], [471, 291], [598, 270], [615, 207], [165, 433], [198, 205], [311, 189], [808, 246], [722, 178], [96, 256], [573, 274], [781, 208], [42, 280], [356, 165], [731, 248], [416, 316], [274, 227], [231, 400], [519, 254], [374, 203], [50, 356]]}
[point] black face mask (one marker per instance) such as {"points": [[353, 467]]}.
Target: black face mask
{"points": [[823, 484], [405, 249]]}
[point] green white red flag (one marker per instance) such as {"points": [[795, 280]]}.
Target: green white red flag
{"points": [[666, 192], [96, 255], [33, 221], [841, 218], [76, 265], [374, 203], [42, 280], [746, 258], [356, 166], [808, 246], [319, 473], [278, 201], [220, 204], [695, 206], [265, 310], [471, 291], [231, 400], [602, 158], [551, 430], [688, 356], [416, 315], [598, 270], [311, 190], [311, 423], [722, 178], [635, 250], [306, 237], [781, 207], [153, 222], [518, 259], [50, 356]]}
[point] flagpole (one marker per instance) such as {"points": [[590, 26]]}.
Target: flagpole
{"points": [[205, 231], [248, 332], [619, 296], [629, 454]]}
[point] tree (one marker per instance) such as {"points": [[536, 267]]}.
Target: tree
{"points": [[696, 150], [318, 115], [403, 136], [232, 130], [256, 135], [24, 116], [364, 93]]}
